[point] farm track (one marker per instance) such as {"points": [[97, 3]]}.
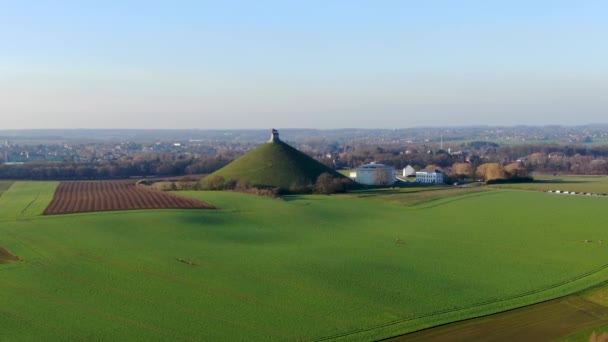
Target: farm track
{"points": [[82, 197], [545, 321]]}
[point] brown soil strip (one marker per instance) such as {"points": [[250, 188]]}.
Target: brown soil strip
{"points": [[5, 256], [80, 197], [539, 322]]}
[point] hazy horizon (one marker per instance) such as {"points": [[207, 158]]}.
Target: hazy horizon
{"points": [[319, 65]]}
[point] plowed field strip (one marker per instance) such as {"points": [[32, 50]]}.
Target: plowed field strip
{"points": [[80, 197]]}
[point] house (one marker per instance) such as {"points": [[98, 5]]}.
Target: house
{"points": [[408, 171], [427, 176]]}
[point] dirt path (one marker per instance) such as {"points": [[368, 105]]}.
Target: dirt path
{"points": [[5, 256], [545, 321]]}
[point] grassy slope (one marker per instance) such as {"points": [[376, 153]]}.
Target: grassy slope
{"points": [[306, 268], [274, 164]]}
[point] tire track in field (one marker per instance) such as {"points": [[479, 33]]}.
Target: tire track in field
{"points": [[210, 289], [29, 205], [176, 279], [54, 329], [433, 203], [131, 295], [284, 284], [321, 292], [20, 240], [67, 303], [336, 322]]}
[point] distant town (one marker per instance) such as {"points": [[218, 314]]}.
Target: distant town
{"points": [[91, 154]]}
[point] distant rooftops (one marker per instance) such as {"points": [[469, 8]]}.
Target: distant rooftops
{"points": [[274, 136]]}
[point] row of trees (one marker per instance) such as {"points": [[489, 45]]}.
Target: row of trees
{"points": [[489, 172], [576, 159], [112, 169], [325, 184], [553, 158]]}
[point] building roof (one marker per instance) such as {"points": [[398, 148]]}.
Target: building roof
{"points": [[374, 166], [429, 171]]}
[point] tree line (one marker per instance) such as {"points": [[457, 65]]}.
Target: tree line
{"points": [[127, 168]]}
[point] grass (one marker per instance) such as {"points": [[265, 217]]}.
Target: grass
{"points": [[353, 267], [274, 164], [414, 195], [592, 184], [26, 199]]}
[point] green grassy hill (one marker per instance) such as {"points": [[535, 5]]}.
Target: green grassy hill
{"points": [[274, 164]]}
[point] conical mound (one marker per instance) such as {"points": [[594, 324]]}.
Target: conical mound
{"points": [[274, 164]]}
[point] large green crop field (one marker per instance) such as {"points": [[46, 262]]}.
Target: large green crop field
{"points": [[353, 267]]}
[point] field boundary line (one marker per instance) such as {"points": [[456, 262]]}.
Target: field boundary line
{"points": [[7, 189], [472, 306]]}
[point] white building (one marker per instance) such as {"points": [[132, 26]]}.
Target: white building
{"points": [[375, 174], [429, 176], [408, 171]]}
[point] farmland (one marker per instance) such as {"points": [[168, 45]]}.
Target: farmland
{"points": [[355, 267], [547, 321], [79, 197], [26, 199], [591, 184]]}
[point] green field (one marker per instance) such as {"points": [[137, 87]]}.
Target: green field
{"points": [[26, 199], [592, 184], [360, 266]]}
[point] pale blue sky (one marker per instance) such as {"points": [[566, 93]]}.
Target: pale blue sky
{"points": [[317, 64]]}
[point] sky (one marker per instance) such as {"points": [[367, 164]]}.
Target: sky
{"points": [[301, 64]]}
